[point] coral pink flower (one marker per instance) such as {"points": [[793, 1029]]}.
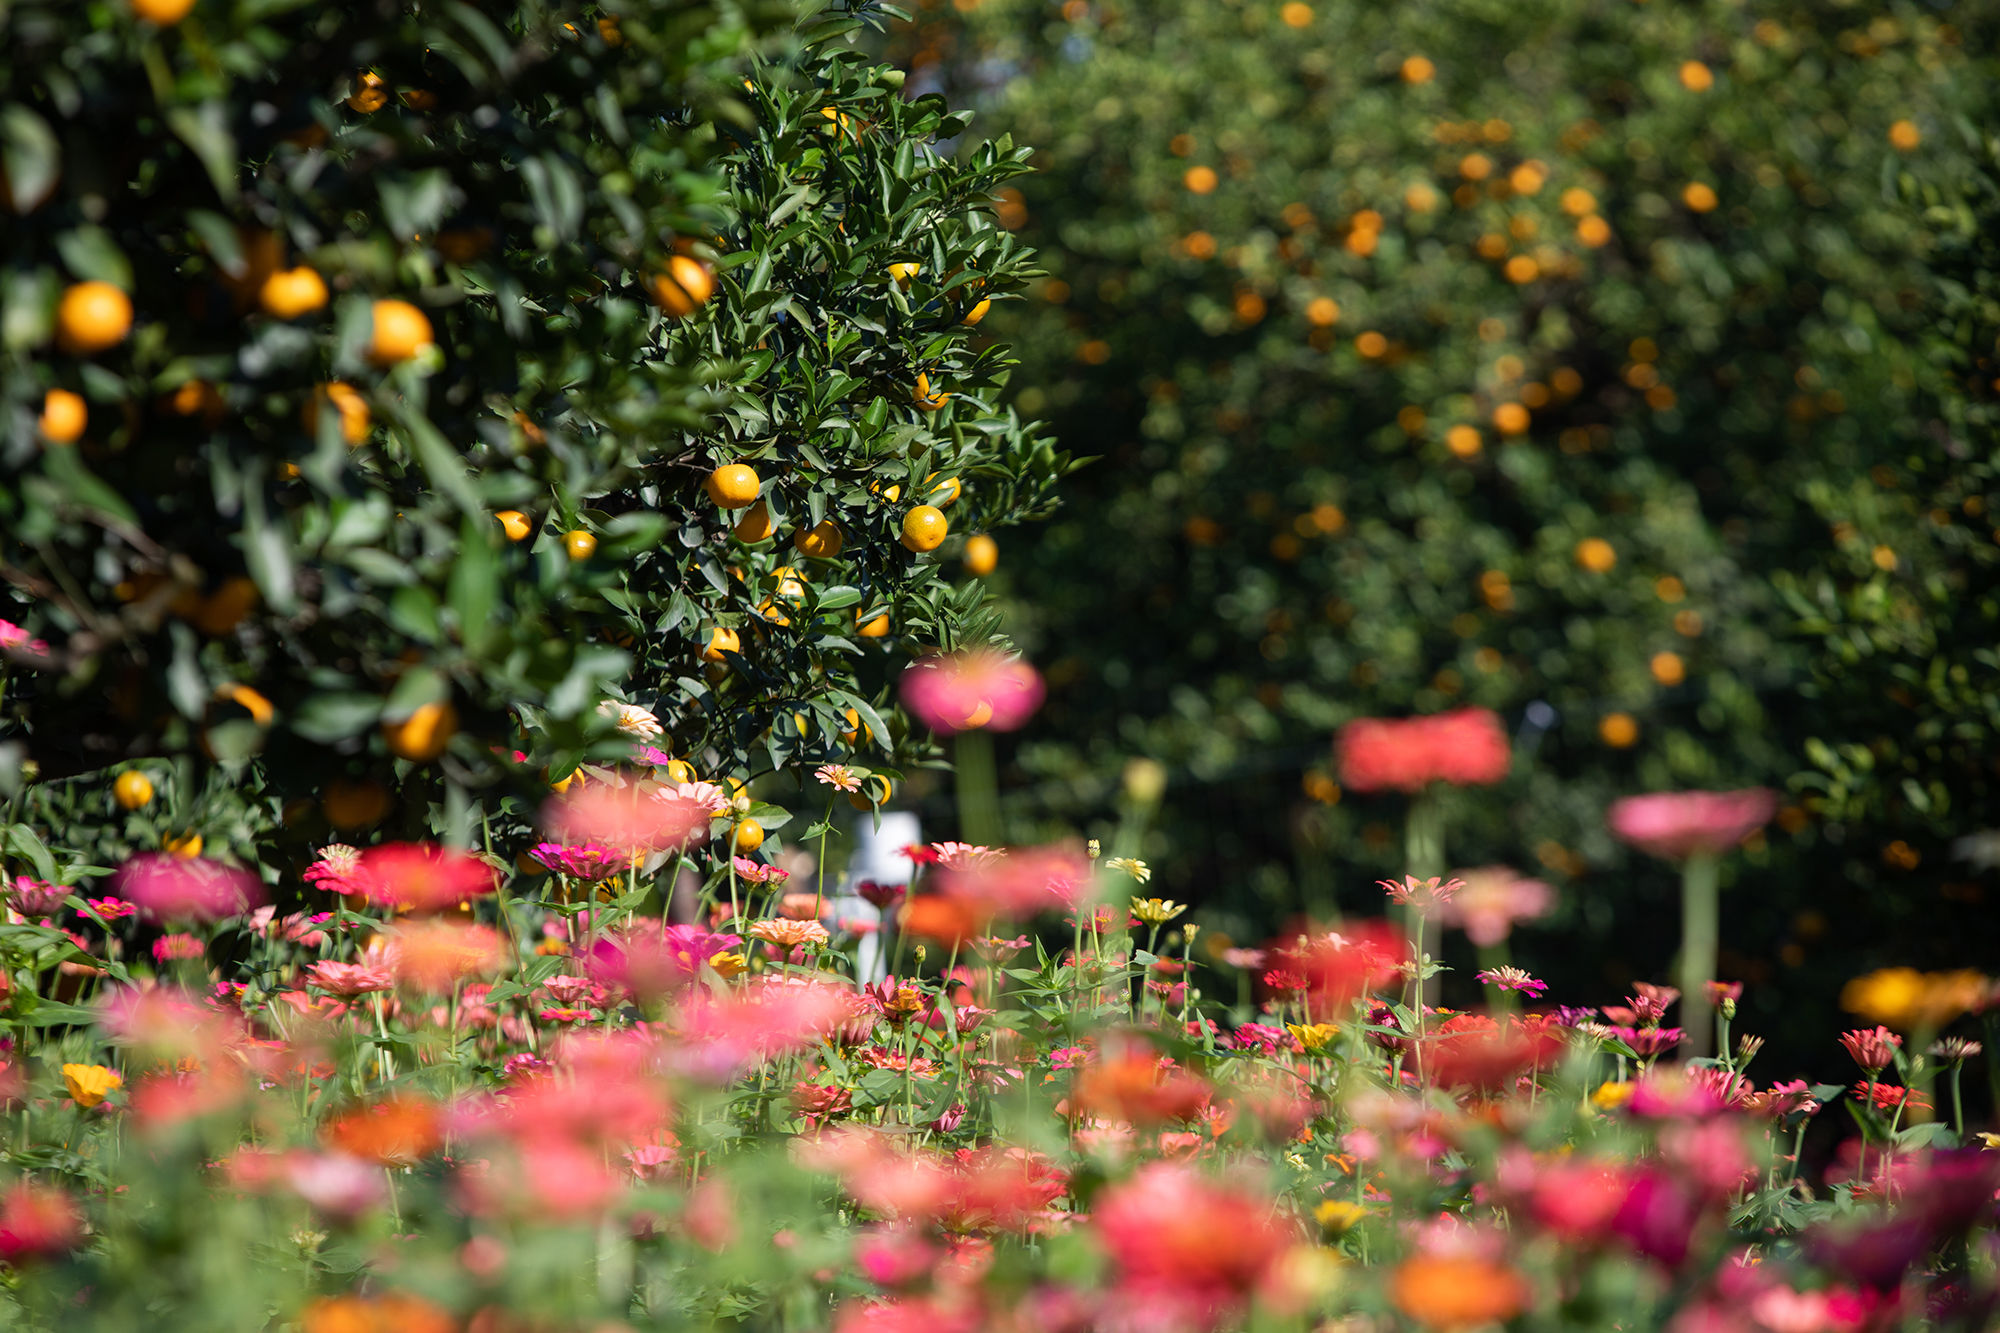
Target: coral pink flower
{"points": [[648, 962], [722, 1035], [349, 979], [37, 1222], [967, 691], [177, 947], [1018, 884], [756, 872], [432, 956], [1183, 1241], [1491, 899], [112, 909], [625, 818], [1873, 1051], [166, 888], [421, 877], [334, 870], [1680, 824], [336, 1184], [1465, 747], [963, 855]]}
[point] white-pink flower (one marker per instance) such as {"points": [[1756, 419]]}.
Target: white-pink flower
{"points": [[963, 855]]}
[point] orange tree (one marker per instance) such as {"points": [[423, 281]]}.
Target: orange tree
{"points": [[1589, 361], [387, 387]]}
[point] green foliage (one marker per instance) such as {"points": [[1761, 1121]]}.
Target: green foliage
{"points": [[1712, 316], [523, 178]]}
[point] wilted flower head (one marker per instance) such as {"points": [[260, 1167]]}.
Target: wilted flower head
{"points": [[167, 888], [1465, 747], [1491, 899], [421, 877], [1677, 825], [967, 691]]}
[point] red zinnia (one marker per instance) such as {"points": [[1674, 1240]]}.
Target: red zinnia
{"points": [[421, 877]]}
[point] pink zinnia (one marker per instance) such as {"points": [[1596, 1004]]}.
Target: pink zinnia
{"points": [[421, 877], [1679, 824], [1491, 900], [623, 817], [37, 1222], [32, 897], [349, 979], [789, 934], [649, 961], [963, 855], [14, 639], [167, 888], [334, 870], [1466, 747], [1873, 1051], [587, 861], [169, 948], [111, 909], [756, 872], [968, 691]]}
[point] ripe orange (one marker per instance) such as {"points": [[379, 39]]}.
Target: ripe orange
{"points": [[1418, 69], [1668, 668], [1596, 555], [877, 628], [857, 730], [92, 317], [369, 94], [196, 398], [1322, 312], [679, 770], [923, 396], [184, 848], [1201, 180], [941, 493], [822, 541], [1904, 136], [875, 790], [734, 485], [756, 524], [1699, 197], [401, 331], [250, 701], [1593, 231], [292, 292], [924, 528], [224, 609], [515, 524], [353, 805], [982, 555], [684, 287], [900, 274], [166, 13], [1510, 418], [749, 835], [1696, 77], [1463, 441], [580, 544], [978, 312], [721, 641], [63, 416], [424, 734], [1618, 731], [355, 418], [1297, 14], [133, 789]]}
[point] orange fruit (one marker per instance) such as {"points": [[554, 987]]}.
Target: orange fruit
{"points": [[369, 95], [924, 528], [923, 396], [1462, 440], [1297, 14], [92, 317], [749, 835], [1696, 77], [250, 701], [224, 609], [184, 848], [857, 730], [1578, 202], [1418, 69], [401, 331], [1322, 312], [982, 555], [978, 312], [196, 398], [900, 274], [166, 13], [734, 485], [1904, 136], [515, 524], [1699, 197], [875, 790], [1618, 731], [1668, 668], [1201, 180], [822, 541], [755, 525], [1593, 231], [63, 416], [579, 544], [679, 770], [292, 292], [354, 805], [877, 628], [1596, 555], [355, 418], [941, 493], [721, 641], [683, 288], [132, 789], [1510, 418], [424, 734]]}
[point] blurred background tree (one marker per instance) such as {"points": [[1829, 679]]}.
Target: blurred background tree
{"points": [[367, 371], [1626, 368]]}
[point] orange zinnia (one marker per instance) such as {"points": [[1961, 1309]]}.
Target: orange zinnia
{"points": [[1441, 1291]]}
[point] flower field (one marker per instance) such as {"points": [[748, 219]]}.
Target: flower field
{"points": [[534, 800]]}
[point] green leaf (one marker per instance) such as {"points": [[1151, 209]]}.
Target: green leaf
{"points": [[31, 156], [206, 131]]}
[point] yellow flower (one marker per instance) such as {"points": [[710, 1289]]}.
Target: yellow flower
{"points": [[90, 1084], [1338, 1215], [1904, 998], [728, 965], [1611, 1096], [1132, 866], [1156, 911], [1315, 1037]]}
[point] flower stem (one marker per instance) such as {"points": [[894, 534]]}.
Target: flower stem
{"points": [[1700, 926], [978, 788]]}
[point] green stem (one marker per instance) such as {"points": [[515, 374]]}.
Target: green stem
{"points": [[978, 788], [1701, 926]]}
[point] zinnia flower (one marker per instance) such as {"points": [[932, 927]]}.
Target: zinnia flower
{"points": [[587, 861], [334, 870], [756, 872], [636, 722], [90, 1084], [789, 934], [37, 1221], [33, 897], [971, 690], [1490, 900], [167, 888], [1457, 1291], [349, 979], [421, 877], [1677, 825], [1511, 978], [1465, 747], [838, 776], [1873, 1051]]}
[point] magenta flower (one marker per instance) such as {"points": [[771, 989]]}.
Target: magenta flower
{"points": [[756, 872], [587, 861], [166, 888], [14, 639], [334, 870], [649, 962], [1679, 824], [1511, 978], [32, 897], [968, 691], [111, 909]]}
